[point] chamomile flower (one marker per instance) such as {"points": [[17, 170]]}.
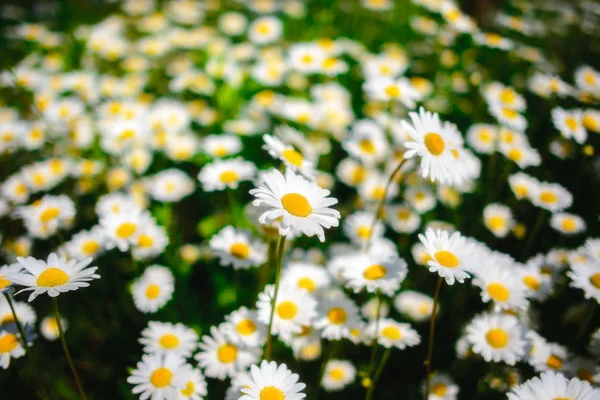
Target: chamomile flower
{"points": [[369, 309], [591, 120], [5, 270], [500, 285], [402, 218], [238, 248], [271, 381], [243, 327], [195, 385], [551, 386], [375, 271], [86, 243], [451, 256], [306, 276], [49, 327], [165, 338], [351, 172], [158, 377], [54, 276], [226, 174], [570, 124], [393, 334], [170, 185], [366, 142], [415, 305], [482, 138], [567, 224], [339, 317], [522, 185], [153, 289], [588, 80], [337, 375], [545, 356], [221, 358], [551, 196], [10, 347], [421, 199], [122, 228], [220, 146], [498, 219], [265, 30], [150, 241], [442, 387], [44, 217], [387, 89], [497, 337], [539, 285], [586, 276], [302, 205], [294, 308], [291, 157], [429, 140], [509, 117], [25, 313], [358, 227]]}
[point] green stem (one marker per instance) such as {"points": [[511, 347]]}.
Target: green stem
{"points": [[534, 232], [280, 252], [17, 322], [66, 350], [592, 303], [384, 360], [332, 350], [376, 337], [431, 336]]}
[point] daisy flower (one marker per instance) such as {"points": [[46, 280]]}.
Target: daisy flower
{"points": [[238, 248], [337, 375], [521, 153], [539, 285], [367, 142], [522, 185], [294, 308], [545, 356], [451, 256], [271, 381], [10, 347], [509, 117], [586, 276], [501, 285], [265, 30], [567, 224], [49, 327], [357, 227], [421, 198], [86, 243], [570, 124], [429, 140], [54, 276], [5, 282], [498, 219], [393, 334], [223, 145], [243, 327], [150, 240], [591, 120], [351, 172], [153, 289], [373, 188], [442, 387], [158, 377], [25, 313], [383, 88], [195, 385], [417, 306], [223, 174], [505, 96], [375, 271], [291, 158], [369, 309], [551, 386], [170, 185], [165, 338], [497, 337], [482, 138], [121, 227], [588, 80], [402, 218], [44, 217], [306, 276], [302, 205], [551, 196], [339, 316], [221, 358]]}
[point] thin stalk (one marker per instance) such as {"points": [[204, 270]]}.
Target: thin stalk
{"points": [[332, 350], [384, 360], [431, 336], [592, 303], [66, 350], [381, 205], [376, 337], [17, 322], [534, 232], [280, 251]]}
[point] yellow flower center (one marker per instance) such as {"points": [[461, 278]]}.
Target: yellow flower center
{"points": [[531, 282], [307, 284], [336, 374], [508, 96], [446, 259], [554, 362], [358, 175], [515, 154], [307, 59], [189, 389], [521, 190], [439, 389], [589, 78], [52, 277], [293, 157], [548, 197], [496, 338], [152, 291], [378, 192], [246, 327], [363, 232], [227, 353], [7, 319], [496, 222], [391, 332], [161, 377], [296, 204], [393, 91], [485, 136], [271, 393], [4, 282], [498, 292], [568, 224], [287, 310], [126, 230], [145, 241], [585, 375], [49, 214], [229, 177], [240, 250], [508, 113], [337, 315], [8, 343], [90, 247], [367, 146], [595, 280], [434, 143], [374, 272], [169, 341], [590, 123], [571, 123], [221, 151]]}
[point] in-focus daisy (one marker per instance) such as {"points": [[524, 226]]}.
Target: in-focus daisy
{"points": [[272, 381], [220, 357], [497, 337], [451, 255], [337, 375], [166, 338], [375, 271], [153, 289], [294, 308], [394, 334], [567, 224], [238, 248], [302, 205], [551, 386], [586, 276], [498, 219], [54, 276], [158, 377], [417, 306], [223, 174]]}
